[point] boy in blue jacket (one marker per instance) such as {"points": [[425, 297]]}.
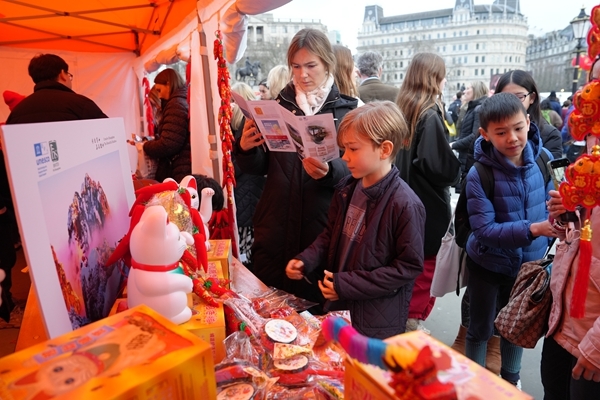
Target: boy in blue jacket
{"points": [[509, 229], [371, 250]]}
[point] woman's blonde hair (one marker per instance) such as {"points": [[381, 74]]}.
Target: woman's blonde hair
{"points": [[420, 90], [278, 77], [247, 93], [344, 71], [315, 42], [171, 78], [376, 122], [480, 89]]}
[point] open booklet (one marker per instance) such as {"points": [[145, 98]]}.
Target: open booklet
{"points": [[309, 136]]}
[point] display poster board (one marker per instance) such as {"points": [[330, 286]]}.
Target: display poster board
{"points": [[72, 189]]}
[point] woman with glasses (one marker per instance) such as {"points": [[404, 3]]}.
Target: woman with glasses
{"points": [[522, 85]]}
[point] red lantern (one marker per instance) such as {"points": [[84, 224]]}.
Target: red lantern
{"points": [[585, 62]]}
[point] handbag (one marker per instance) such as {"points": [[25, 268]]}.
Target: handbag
{"points": [[524, 320], [450, 273]]}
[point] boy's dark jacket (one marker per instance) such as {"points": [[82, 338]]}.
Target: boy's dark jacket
{"points": [[381, 270], [501, 240]]}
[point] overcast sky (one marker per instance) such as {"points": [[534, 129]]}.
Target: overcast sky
{"points": [[346, 16]]}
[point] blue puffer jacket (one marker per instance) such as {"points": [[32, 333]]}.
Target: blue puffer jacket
{"points": [[501, 240]]}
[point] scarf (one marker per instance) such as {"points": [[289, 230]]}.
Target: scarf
{"points": [[311, 102]]}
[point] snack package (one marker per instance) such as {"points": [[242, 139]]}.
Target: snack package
{"points": [[276, 303]]}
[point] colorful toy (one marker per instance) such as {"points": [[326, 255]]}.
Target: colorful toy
{"points": [[155, 278], [414, 371]]}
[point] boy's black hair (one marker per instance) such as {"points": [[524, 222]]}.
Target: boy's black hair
{"points": [[203, 181], [498, 108], [46, 67]]}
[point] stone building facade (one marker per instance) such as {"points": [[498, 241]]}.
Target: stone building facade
{"points": [[476, 41]]}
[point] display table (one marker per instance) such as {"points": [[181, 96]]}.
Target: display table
{"points": [[33, 331]]}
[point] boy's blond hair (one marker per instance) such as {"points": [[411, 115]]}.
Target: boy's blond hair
{"points": [[377, 122]]}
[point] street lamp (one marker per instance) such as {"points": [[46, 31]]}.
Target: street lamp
{"points": [[580, 25]]}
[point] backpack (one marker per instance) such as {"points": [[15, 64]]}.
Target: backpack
{"points": [[462, 227], [546, 115]]}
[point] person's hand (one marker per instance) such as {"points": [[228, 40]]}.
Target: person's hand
{"points": [[543, 228], [585, 369], [555, 205], [315, 168], [326, 286], [295, 269], [251, 137]]}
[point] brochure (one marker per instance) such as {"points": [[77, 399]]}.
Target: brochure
{"points": [[309, 136]]}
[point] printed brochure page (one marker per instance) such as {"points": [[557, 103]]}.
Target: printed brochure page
{"points": [[309, 136]]}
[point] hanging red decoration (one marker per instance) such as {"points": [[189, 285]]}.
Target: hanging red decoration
{"points": [[227, 139], [149, 113]]}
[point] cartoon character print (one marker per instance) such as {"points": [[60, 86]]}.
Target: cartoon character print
{"points": [[134, 341], [156, 245]]}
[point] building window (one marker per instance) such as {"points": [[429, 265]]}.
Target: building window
{"points": [[395, 52], [438, 35], [476, 72], [401, 64], [458, 72], [477, 46], [453, 47], [401, 76], [460, 47], [467, 46], [477, 31], [454, 34], [465, 60], [482, 59], [444, 34], [476, 58], [395, 76], [498, 70], [491, 71]]}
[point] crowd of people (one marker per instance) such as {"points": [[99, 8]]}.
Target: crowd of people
{"points": [[361, 232]]}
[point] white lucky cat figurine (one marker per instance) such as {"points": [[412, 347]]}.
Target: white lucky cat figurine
{"points": [[206, 209], [156, 245]]}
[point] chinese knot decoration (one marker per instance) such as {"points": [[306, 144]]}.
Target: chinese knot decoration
{"points": [[227, 139]]}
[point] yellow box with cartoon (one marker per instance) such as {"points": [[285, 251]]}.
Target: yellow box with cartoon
{"points": [[367, 382], [136, 354]]}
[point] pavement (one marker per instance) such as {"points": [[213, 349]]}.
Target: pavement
{"points": [[443, 323]]}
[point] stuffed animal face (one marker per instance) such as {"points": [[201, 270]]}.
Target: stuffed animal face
{"points": [[157, 241]]}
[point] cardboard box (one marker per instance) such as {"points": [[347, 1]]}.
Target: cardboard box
{"points": [[136, 354], [220, 250], [367, 382], [208, 323]]}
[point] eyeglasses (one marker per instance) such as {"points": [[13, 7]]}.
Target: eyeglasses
{"points": [[522, 96], [70, 75]]}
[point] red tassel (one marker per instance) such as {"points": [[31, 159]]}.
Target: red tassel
{"points": [[580, 287]]}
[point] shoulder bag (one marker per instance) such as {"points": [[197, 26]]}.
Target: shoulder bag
{"points": [[524, 320], [450, 266]]}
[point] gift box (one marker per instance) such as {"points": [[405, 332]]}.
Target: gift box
{"points": [[366, 382], [220, 250], [207, 322], [134, 354]]}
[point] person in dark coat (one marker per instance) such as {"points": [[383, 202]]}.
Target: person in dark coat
{"points": [[52, 100], [474, 95], [248, 187], [521, 84], [172, 144], [428, 165], [372, 248], [293, 208], [555, 103]]}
